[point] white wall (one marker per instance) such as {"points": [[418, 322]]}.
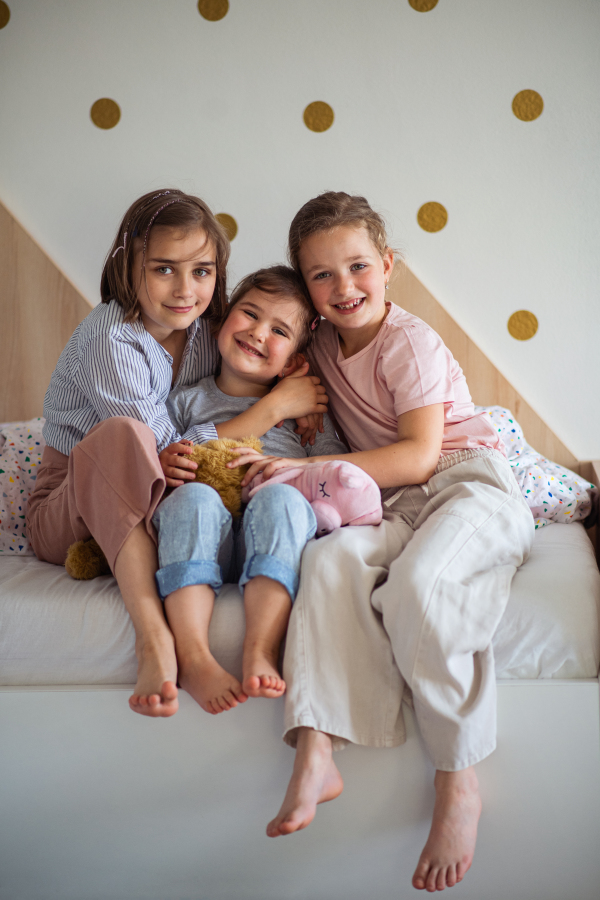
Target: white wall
{"points": [[423, 112]]}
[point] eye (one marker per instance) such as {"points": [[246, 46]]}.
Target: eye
{"points": [[165, 270], [280, 332], [359, 266], [249, 313], [201, 272], [321, 275]]}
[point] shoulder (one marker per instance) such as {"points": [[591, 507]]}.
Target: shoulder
{"points": [[401, 331], [106, 323], [204, 387]]}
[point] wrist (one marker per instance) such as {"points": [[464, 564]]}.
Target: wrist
{"points": [[270, 408]]}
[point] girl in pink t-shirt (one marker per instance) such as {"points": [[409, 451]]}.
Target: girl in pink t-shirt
{"points": [[454, 532]]}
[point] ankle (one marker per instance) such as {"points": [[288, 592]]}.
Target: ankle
{"points": [[154, 643], [463, 781]]}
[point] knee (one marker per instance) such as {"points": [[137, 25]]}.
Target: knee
{"points": [[190, 502], [276, 500], [119, 429]]}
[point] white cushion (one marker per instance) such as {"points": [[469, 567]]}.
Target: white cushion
{"points": [[54, 630]]}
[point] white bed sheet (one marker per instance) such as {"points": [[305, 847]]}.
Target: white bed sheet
{"points": [[54, 630]]}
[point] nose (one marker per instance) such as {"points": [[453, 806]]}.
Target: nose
{"points": [[344, 284], [259, 330], [184, 286]]}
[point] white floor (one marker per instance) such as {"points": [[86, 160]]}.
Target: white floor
{"points": [[99, 804]]}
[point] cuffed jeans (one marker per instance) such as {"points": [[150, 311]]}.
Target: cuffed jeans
{"points": [[200, 543]]}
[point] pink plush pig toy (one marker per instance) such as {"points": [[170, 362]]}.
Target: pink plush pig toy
{"points": [[339, 492]]}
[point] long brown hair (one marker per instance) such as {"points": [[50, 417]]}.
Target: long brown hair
{"points": [[169, 208], [330, 210]]}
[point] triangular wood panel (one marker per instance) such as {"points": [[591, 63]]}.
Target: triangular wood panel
{"points": [[487, 385], [40, 309]]}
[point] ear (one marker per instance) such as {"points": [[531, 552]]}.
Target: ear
{"points": [[388, 263], [295, 361]]}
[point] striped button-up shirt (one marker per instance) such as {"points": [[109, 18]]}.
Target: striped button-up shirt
{"points": [[112, 368]]}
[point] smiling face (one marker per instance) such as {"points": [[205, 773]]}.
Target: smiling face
{"points": [[180, 270], [258, 338], [346, 278]]}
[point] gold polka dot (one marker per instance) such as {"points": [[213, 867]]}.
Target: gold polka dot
{"points": [[527, 105], [4, 14], [432, 216], [213, 10], [423, 5], [522, 325], [228, 223], [318, 116], [105, 113]]}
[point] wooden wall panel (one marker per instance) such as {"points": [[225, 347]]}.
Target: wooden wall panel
{"points": [[487, 385], [39, 310]]}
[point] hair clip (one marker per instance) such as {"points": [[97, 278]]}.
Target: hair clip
{"points": [[121, 248], [315, 322]]}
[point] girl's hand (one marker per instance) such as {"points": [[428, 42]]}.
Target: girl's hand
{"points": [[176, 467], [245, 456], [307, 427], [268, 465], [299, 395]]}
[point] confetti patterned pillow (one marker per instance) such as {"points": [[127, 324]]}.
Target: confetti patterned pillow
{"points": [[554, 493], [21, 446]]}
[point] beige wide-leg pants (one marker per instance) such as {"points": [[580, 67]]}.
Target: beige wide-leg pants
{"points": [[412, 602]]}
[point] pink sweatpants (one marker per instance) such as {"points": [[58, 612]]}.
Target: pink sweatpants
{"points": [[111, 481]]}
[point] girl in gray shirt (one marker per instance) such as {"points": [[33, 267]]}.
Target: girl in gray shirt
{"points": [[268, 325]]}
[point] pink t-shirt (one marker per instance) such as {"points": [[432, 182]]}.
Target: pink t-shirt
{"points": [[406, 366]]}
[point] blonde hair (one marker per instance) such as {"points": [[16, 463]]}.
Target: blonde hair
{"points": [[170, 209], [330, 210]]}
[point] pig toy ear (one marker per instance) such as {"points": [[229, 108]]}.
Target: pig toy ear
{"points": [[328, 518]]}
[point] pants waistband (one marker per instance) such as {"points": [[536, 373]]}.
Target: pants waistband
{"points": [[390, 495]]}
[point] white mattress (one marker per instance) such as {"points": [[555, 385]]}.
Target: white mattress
{"points": [[54, 630]]}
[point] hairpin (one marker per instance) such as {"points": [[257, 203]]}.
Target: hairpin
{"points": [[122, 247], [150, 223], [315, 322]]}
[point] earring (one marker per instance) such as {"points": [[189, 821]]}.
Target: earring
{"points": [[387, 287]]}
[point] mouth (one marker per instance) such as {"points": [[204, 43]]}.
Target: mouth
{"points": [[181, 310], [251, 351], [349, 306]]}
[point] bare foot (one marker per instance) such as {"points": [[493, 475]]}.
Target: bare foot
{"points": [[155, 693], [315, 780], [261, 678], [449, 850], [214, 689]]}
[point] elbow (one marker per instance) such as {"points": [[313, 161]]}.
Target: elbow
{"points": [[427, 465]]}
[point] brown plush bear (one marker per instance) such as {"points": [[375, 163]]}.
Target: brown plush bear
{"points": [[85, 560]]}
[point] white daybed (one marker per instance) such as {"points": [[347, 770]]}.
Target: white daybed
{"points": [[101, 804]]}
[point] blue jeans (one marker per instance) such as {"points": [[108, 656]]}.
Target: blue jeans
{"points": [[199, 543]]}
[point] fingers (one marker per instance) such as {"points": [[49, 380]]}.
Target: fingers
{"points": [[300, 372], [269, 465]]}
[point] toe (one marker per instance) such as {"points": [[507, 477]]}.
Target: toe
{"points": [[451, 876], [431, 880], [420, 876], [440, 881]]}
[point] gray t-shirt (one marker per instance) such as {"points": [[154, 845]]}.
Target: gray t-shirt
{"points": [[204, 402]]}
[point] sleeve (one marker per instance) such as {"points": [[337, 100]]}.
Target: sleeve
{"points": [[416, 367], [115, 378], [328, 443]]}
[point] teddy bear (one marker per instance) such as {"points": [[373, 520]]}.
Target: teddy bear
{"points": [[339, 492]]}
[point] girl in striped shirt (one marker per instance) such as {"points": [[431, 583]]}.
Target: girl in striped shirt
{"points": [[163, 285]]}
